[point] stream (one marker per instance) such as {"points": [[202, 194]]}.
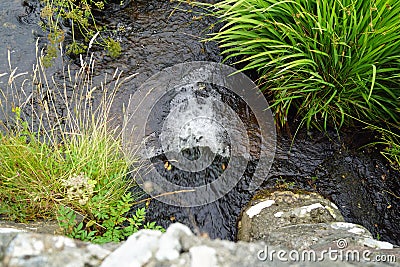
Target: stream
{"points": [[155, 36]]}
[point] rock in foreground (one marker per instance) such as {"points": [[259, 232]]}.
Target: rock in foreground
{"points": [[284, 228]]}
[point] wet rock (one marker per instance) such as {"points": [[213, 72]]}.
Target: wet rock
{"points": [[319, 235], [372, 243], [177, 247], [365, 189], [271, 212], [19, 30]]}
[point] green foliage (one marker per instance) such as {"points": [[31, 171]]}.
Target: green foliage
{"points": [[60, 166], [51, 54], [378, 236], [113, 47], [392, 150], [327, 59], [76, 48], [84, 28], [282, 184], [108, 223], [390, 139], [36, 176], [26, 172]]}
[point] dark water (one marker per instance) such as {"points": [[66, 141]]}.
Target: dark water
{"points": [[359, 182], [18, 34], [155, 36]]}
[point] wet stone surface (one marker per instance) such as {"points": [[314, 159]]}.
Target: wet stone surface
{"points": [[155, 35], [365, 189]]}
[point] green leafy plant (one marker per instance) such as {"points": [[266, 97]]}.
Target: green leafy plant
{"points": [[113, 47], [378, 236], [85, 29], [325, 59], [281, 183], [26, 173], [107, 224]]}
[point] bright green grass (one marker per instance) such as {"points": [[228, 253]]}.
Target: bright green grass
{"points": [[55, 166], [321, 59]]}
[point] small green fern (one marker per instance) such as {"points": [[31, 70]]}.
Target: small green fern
{"points": [[109, 223]]}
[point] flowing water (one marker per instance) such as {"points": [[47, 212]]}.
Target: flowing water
{"points": [[154, 36], [18, 33]]}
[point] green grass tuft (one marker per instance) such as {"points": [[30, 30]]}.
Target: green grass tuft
{"points": [[322, 59], [60, 155]]}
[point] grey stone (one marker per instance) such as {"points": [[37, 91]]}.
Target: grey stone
{"points": [[32, 249], [144, 249], [5, 239], [170, 243], [299, 230], [179, 247], [372, 243], [306, 225], [203, 256], [273, 210], [305, 236], [10, 230], [40, 226], [136, 251]]}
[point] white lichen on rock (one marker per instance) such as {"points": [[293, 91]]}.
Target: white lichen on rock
{"points": [[256, 209]]}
